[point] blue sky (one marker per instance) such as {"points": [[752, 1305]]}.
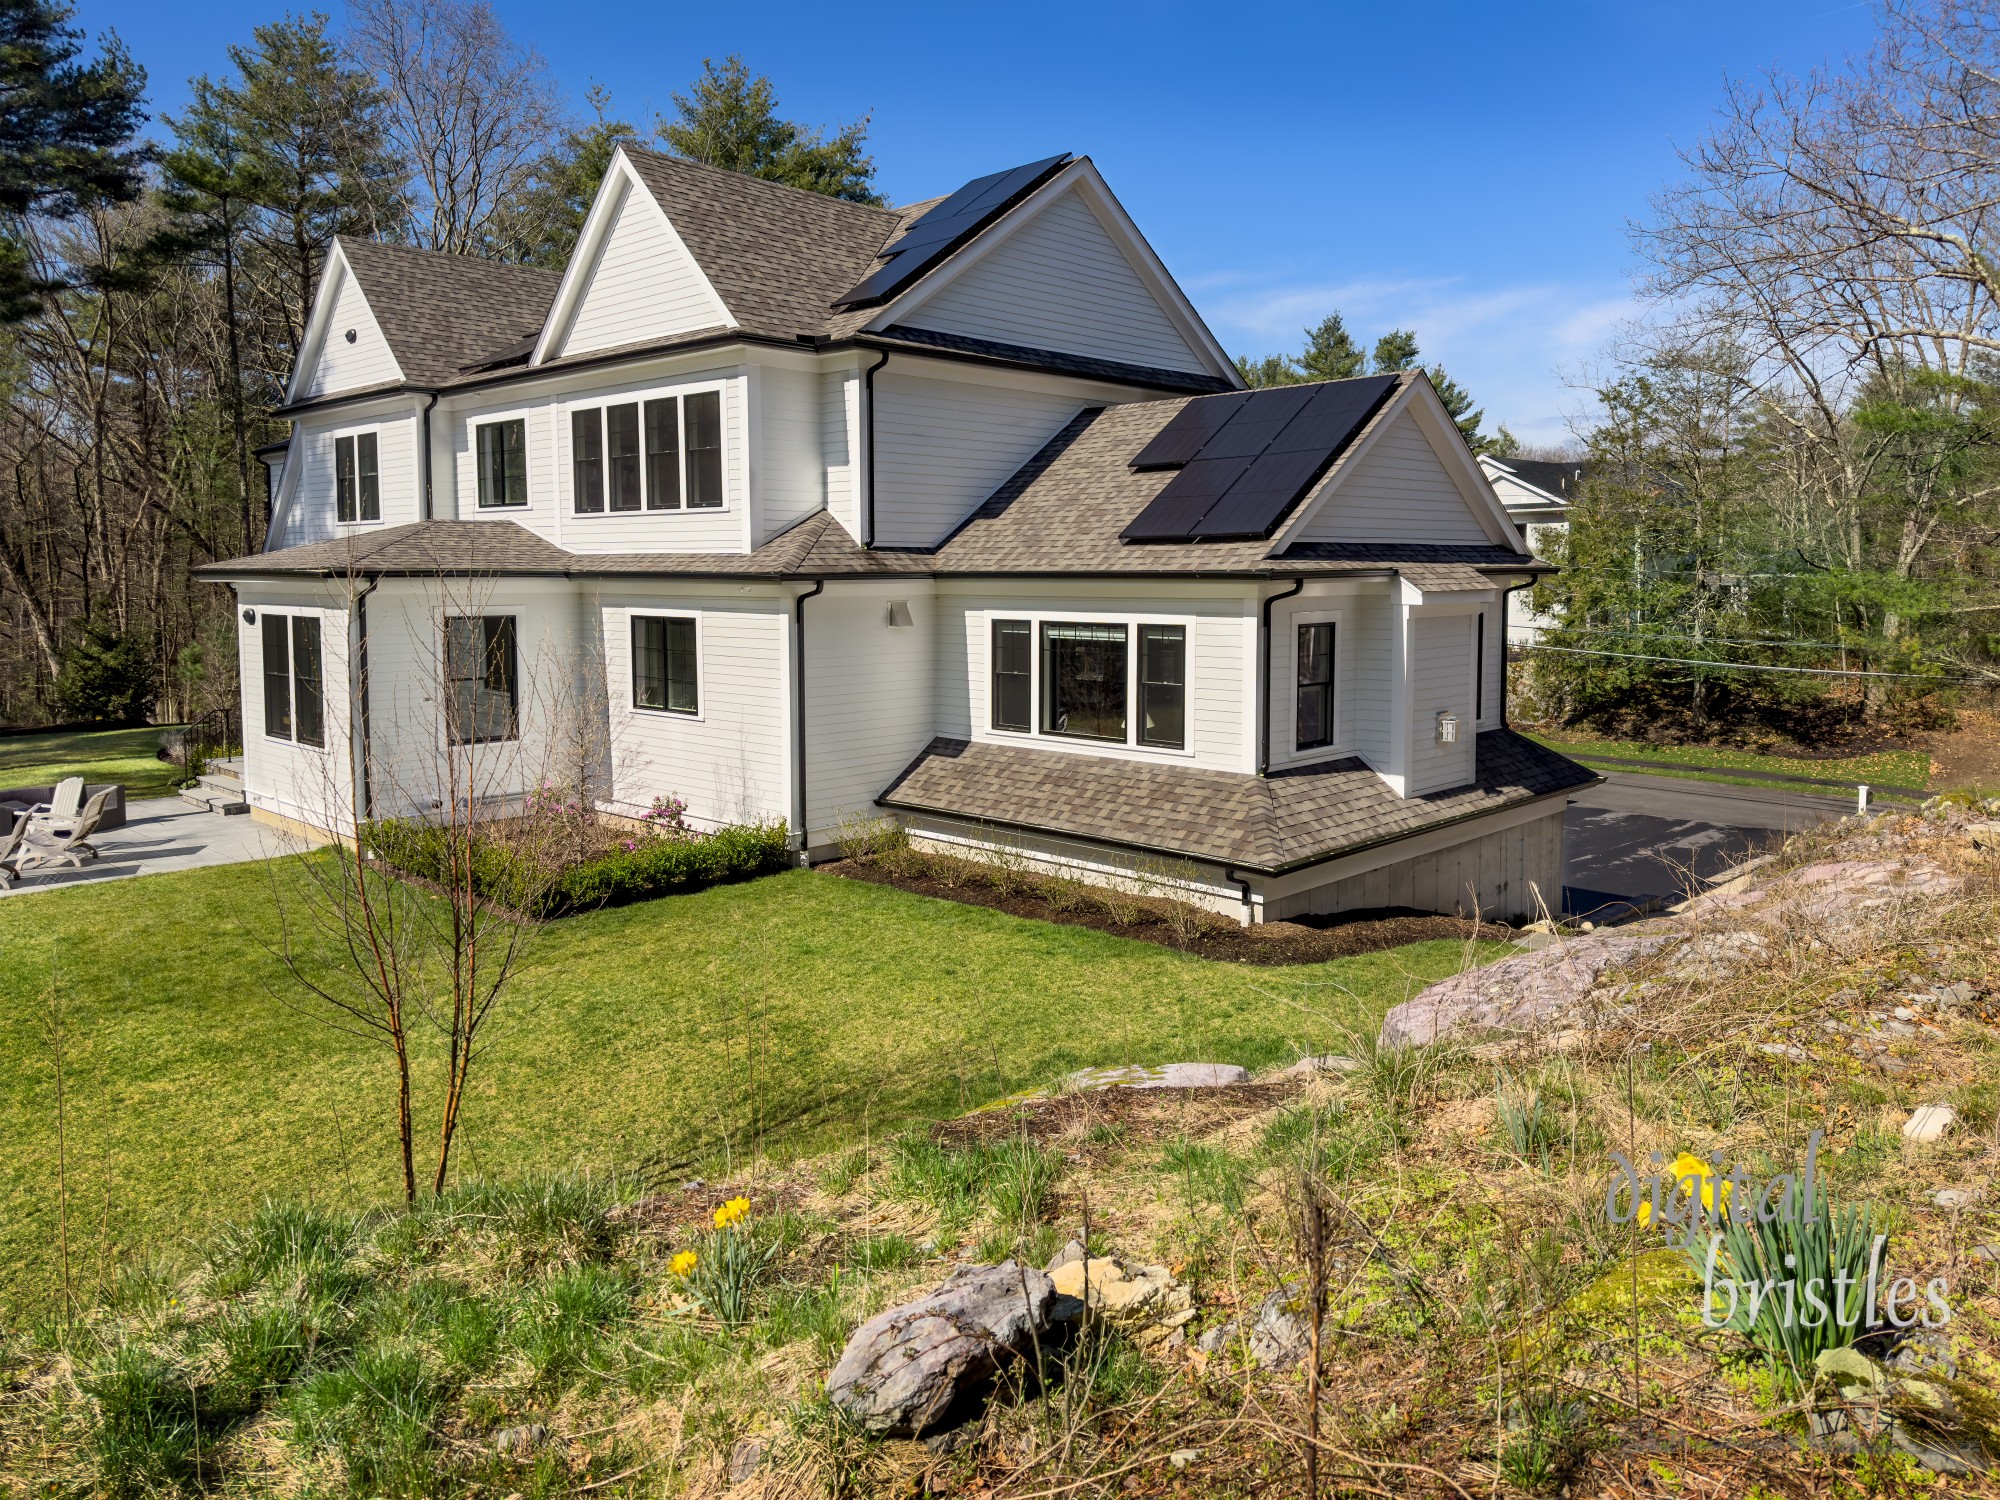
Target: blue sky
{"points": [[1466, 170]]}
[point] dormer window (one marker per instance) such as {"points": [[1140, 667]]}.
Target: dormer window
{"points": [[661, 454]]}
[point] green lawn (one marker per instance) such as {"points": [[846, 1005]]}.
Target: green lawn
{"points": [[778, 1016], [125, 755], [1904, 768]]}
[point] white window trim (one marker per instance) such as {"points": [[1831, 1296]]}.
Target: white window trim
{"points": [[673, 715], [291, 741], [357, 432], [1339, 749], [526, 417], [1034, 734], [566, 485]]}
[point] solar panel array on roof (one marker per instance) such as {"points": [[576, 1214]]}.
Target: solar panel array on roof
{"points": [[1247, 458], [948, 225]]}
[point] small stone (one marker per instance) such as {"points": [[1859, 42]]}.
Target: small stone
{"points": [[1899, 1028], [518, 1441], [744, 1458], [1929, 1123], [1781, 1049], [1072, 1251], [693, 1185], [1990, 1253], [1180, 1458], [1166, 1076], [1955, 1198], [1904, 1013], [1984, 835]]}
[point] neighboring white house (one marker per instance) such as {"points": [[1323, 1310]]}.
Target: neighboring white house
{"points": [[1538, 494], [956, 514]]}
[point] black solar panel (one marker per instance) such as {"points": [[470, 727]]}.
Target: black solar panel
{"points": [[1247, 458], [946, 226]]}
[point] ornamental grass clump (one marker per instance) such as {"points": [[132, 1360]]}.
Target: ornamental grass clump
{"points": [[723, 1274]]}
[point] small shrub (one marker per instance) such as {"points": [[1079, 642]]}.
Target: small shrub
{"points": [[1063, 894], [866, 840], [1121, 907]]}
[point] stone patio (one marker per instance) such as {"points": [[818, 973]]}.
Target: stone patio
{"points": [[161, 834]]}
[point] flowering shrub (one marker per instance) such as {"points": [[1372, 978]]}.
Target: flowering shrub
{"points": [[665, 819]]}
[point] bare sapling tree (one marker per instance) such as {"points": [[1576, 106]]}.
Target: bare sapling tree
{"points": [[456, 826]]}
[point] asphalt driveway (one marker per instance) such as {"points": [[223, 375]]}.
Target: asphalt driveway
{"points": [[1639, 838]]}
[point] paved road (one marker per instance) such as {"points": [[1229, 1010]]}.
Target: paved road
{"points": [[1639, 836]]}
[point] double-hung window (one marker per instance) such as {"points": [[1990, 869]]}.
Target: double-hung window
{"points": [[1313, 721], [357, 478], [1083, 681], [1013, 667], [663, 664], [1163, 686], [503, 463], [294, 691], [662, 454], [482, 697]]}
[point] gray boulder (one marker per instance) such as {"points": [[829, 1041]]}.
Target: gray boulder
{"points": [[1529, 992], [1278, 1337], [916, 1367]]}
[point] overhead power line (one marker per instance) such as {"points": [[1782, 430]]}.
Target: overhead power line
{"points": [[1741, 666]]}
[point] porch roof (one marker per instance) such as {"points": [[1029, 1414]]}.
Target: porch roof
{"points": [[1263, 825]]}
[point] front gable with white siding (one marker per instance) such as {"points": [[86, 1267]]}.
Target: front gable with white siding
{"points": [[809, 552]]}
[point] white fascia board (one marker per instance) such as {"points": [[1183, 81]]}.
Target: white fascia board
{"points": [[334, 274], [1082, 177], [1537, 495], [621, 178]]}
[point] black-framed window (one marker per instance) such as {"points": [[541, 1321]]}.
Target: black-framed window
{"points": [[663, 664], [482, 702], [621, 454], [357, 478], [1013, 674], [663, 453], [1083, 681], [294, 682], [1163, 686], [503, 463], [1313, 723], [586, 460], [704, 450], [1479, 668]]}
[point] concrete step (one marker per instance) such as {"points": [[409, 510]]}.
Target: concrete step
{"points": [[225, 773], [227, 803], [216, 781]]}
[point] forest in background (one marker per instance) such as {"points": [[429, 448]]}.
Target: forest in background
{"points": [[156, 276], [1788, 529]]}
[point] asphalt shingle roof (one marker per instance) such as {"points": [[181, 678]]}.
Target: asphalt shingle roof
{"points": [[441, 313], [1262, 824]]}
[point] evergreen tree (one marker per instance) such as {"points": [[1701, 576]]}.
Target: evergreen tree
{"points": [[1331, 353], [542, 226], [1272, 369], [66, 130], [1395, 352], [730, 120], [1458, 402]]}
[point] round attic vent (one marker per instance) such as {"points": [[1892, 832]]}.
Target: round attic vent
{"points": [[351, 335]]}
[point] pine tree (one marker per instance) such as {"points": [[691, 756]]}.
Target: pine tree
{"points": [[542, 226], [66, 132], [730, 120], [1395, 352], [1272, 369], [1458, 402], [1331, 353]]}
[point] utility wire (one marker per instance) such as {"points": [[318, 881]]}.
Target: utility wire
{"points": [[1716, 640], [1739, 666]]}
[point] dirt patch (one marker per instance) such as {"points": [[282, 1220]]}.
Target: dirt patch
{"points": [[1307, 940], [1101, 1121], [1968, 758]]}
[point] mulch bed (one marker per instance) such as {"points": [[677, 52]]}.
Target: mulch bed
{"points": [[1132, 1114], [1305, 940]]}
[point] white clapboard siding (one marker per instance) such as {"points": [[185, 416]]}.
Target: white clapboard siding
{"points": [[299, 782], [309, 514], [344, 366], [1400, 492], [644, 285], [1360, 675], [731, 762], [791, 473], [1061, 282], [943, 446], [867, 697], [1217, 705], [1440, 681], [839, 407]]}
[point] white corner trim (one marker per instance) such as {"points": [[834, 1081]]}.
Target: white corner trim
{"points": [[334, 275], [1082, 178], [621, 180]]}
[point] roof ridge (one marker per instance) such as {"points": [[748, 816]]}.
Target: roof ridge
{"points": [[439, 257], [729, 172]]}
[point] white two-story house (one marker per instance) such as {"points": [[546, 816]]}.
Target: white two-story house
{"points": [[955, 514]]}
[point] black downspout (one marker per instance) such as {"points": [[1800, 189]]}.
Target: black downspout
{"points": [[799, 712], [1229, 874], [427, 454], [366, 800], [868, 479], [1263, 693]]}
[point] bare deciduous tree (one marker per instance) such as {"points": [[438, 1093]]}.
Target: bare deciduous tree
{"points": [[473, 112]]}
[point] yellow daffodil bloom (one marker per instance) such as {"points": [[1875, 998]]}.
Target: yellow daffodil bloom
{"points": [[684, 1263], [731, 1212], [1688, 1167]]}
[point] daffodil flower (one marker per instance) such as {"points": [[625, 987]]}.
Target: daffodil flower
{"points": [[1692, 1176], [684, 1263], [732, 1211]]}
